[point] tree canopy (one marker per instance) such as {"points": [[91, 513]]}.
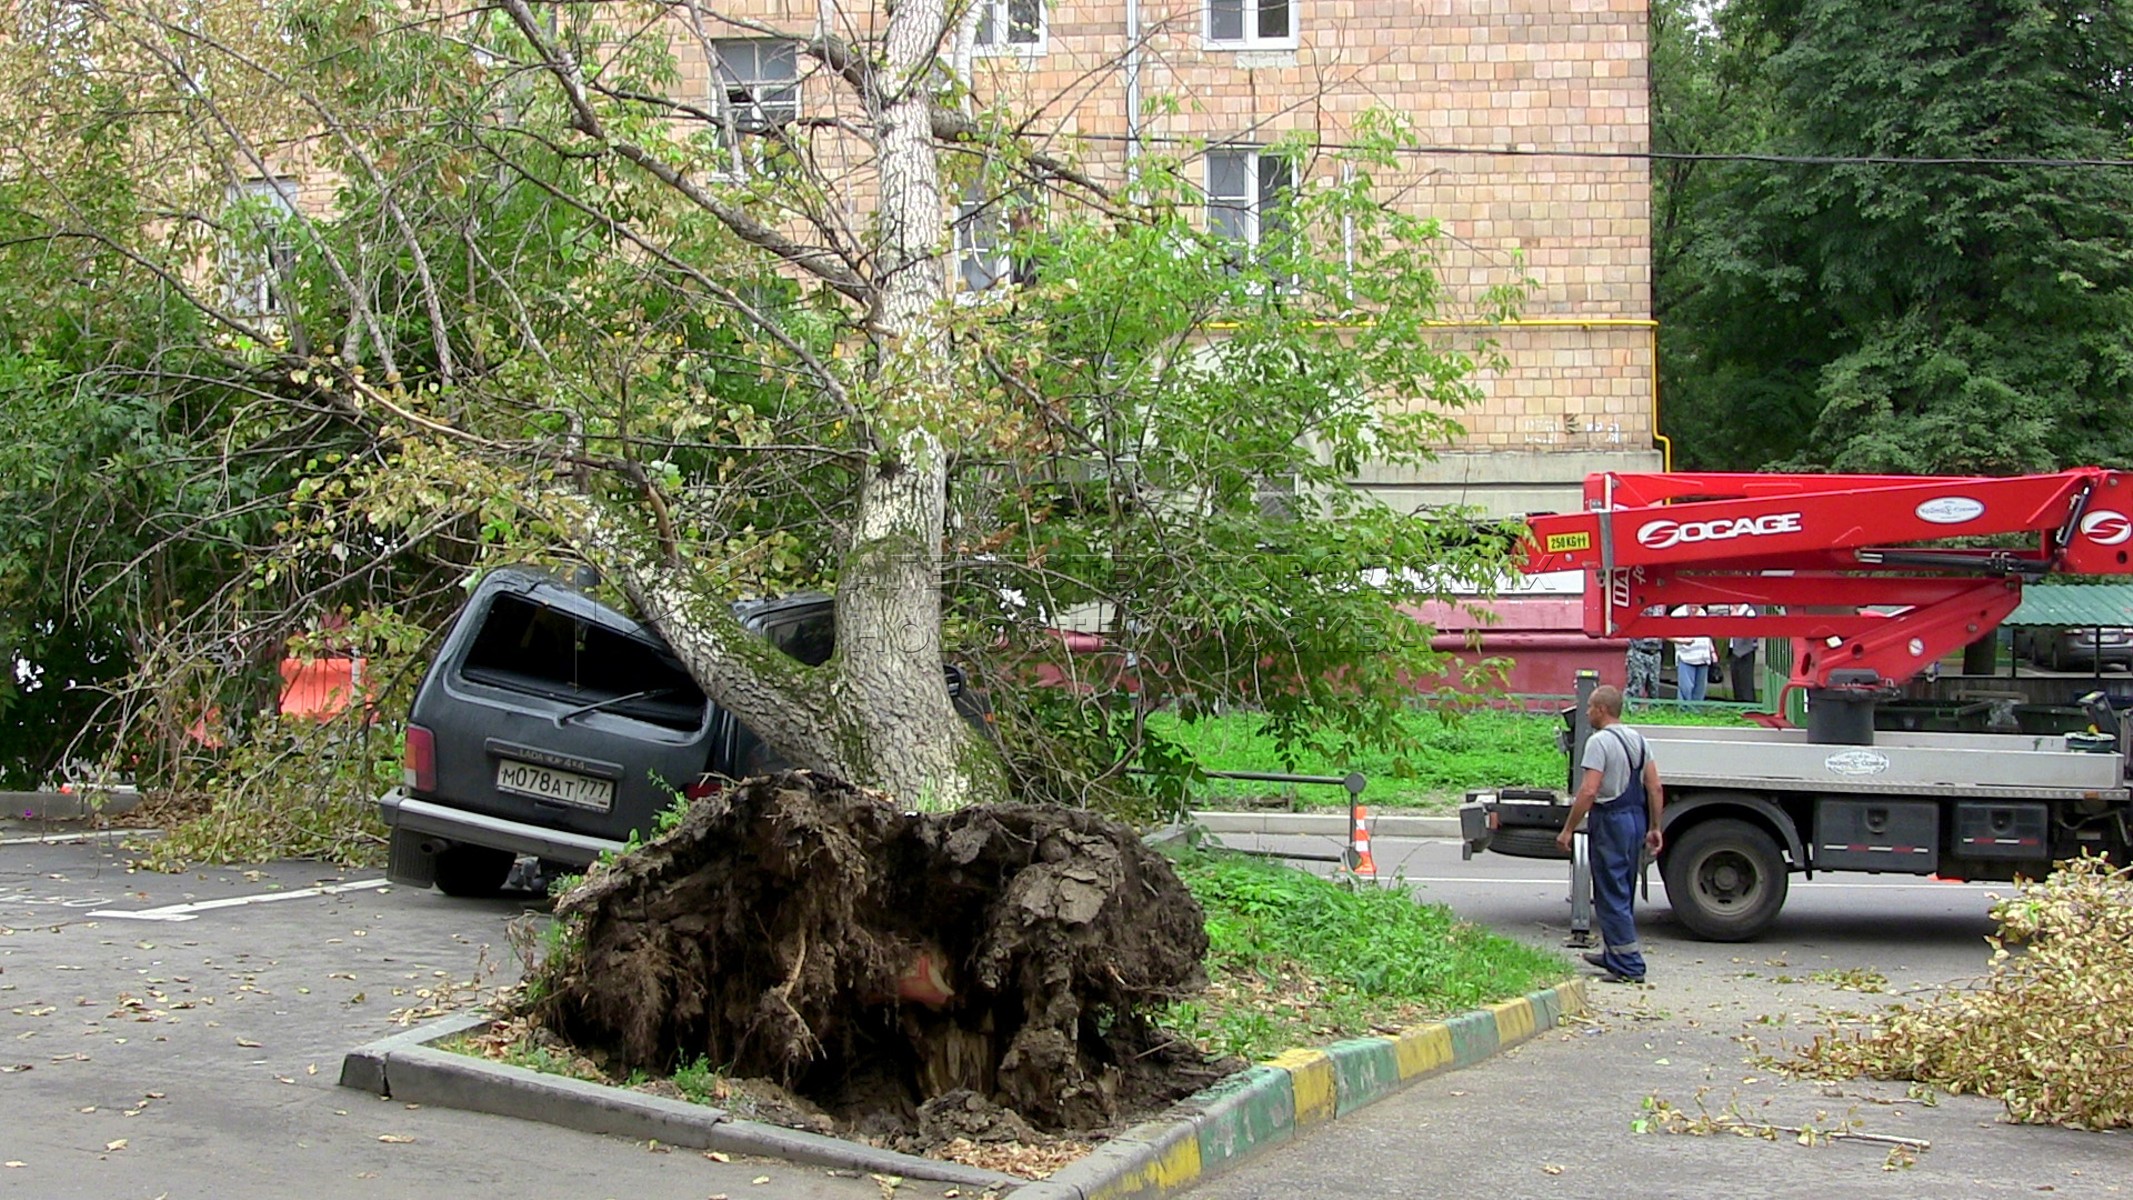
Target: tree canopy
{"points": [[1927, 302], [326, 304]]}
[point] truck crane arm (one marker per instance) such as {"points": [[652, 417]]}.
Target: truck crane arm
{"points": [[1831, 561]]}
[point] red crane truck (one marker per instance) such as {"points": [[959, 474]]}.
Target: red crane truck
{"points": [[1873, 578]]}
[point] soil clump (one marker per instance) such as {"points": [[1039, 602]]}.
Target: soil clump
{"points": [[974, 978]]}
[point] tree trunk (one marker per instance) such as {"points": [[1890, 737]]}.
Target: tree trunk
{"points": [[879, 715], [889, 677]]}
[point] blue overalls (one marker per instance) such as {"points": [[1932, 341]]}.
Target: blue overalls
{"points": [[1615, 835]]}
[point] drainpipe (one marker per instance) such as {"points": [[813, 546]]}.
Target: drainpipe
{"points": [[1133, 85], [1348, 235]]}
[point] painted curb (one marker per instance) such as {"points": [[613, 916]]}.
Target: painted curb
{"points": [[69, 806], [407, 1068], [1334, 825], [1207, 1133], [1267, 1105]]}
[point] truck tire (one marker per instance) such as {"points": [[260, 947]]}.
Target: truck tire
{"points": [[1725, 879], [472, 871], [1524, 842]]}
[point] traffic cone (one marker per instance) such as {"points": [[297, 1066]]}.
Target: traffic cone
{"points": [[1360, 864]]}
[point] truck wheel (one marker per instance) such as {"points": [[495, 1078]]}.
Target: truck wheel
{"points": [[464, 870], [1522, 842], [1725, 879]]}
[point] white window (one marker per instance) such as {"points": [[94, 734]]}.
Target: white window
{"points": [[1246, 191], [758, 93], [1009, 27], [984, 250], [1246, 23], [258, 255]]}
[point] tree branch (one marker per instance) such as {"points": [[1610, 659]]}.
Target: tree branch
{"points": [[561, 64]]}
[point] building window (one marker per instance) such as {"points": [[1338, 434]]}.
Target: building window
{"points": [[984, 238], [758, 94], [1247, 23], [258, 255], [1009, 27], [1246, 191]]}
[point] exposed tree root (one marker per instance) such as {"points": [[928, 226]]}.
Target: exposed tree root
{"points": [[871, 959]]}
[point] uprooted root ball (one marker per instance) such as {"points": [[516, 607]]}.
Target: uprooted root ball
{"points": [[806, 930]]}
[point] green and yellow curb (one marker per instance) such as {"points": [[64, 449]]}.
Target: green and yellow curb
{"points": [[1270, 1103], [1207, 1133]]}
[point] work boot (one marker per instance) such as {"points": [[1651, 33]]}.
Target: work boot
{"points": [[1613, 976]]}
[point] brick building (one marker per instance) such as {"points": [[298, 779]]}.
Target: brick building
{"points": [[1489, 85]]}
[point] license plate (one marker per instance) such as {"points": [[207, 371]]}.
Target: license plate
{"points": [[559, 787]]}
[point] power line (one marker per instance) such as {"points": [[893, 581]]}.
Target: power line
{"points": [[1802, 160]]}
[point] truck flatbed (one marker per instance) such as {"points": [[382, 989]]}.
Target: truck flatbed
{"points": [[2003, 766]]}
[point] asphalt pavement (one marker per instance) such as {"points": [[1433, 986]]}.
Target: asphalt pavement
{"points": [[1555, 1117], [179, 1036]]}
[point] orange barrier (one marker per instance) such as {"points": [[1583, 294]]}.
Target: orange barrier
{"points": [[1360, 864], [318, 687]]}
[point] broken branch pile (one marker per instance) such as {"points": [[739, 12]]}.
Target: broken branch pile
{"points": [[2045, 1032]]}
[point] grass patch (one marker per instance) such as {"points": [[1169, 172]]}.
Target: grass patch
{"points": [[1296, 960], [1442, 753]]}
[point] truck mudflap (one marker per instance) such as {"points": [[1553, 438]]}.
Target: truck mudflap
{"points": [[1477, 824]]}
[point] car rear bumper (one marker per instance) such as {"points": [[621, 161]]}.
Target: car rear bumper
{"points": [[427, 817], [2109, 656]]}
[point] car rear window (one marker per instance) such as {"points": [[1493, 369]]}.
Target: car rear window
{"points": [[531, 648], [810, 639]]}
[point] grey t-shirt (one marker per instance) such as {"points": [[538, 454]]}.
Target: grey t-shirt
{"points": [[1605, 753]]}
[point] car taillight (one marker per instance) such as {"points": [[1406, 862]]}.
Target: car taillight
{"points": [[418, 770], [706, 786]]}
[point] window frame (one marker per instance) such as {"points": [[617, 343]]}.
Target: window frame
{"points": [[741, 144], [999, 14], [254, 279], [983, 233], [1250, 16], [1258, 160]]}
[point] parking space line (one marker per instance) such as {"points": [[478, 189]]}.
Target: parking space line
{"points": [[62, 839], [188, 912]]}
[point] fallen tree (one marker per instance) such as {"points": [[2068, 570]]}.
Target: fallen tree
{"points": [[364, 297], [873, 958]]}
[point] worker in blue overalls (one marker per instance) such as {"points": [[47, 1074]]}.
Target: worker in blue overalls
{"points": [[1620, 789]]}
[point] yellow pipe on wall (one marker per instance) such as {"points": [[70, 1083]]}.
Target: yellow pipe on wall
{"points": [[1665, 443]]}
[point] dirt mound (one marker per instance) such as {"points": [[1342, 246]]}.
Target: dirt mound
{"points": [[874, 960]]}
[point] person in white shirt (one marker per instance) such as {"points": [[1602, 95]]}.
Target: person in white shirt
{"points": [[1693, 657]]}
